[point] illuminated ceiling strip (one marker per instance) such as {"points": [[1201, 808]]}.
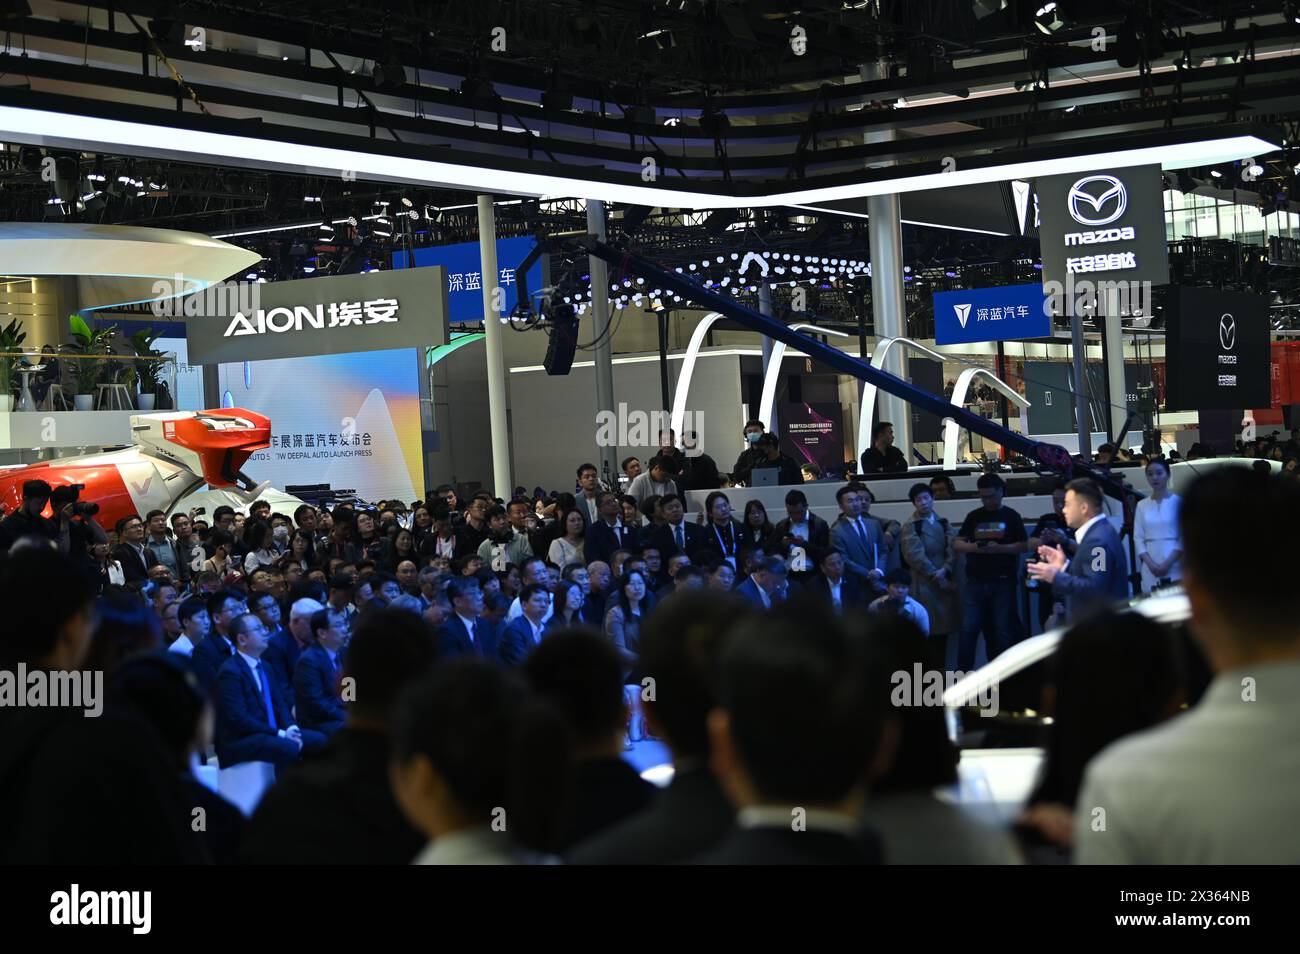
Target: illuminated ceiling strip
{"points": [[92, 133], [863, 215]]}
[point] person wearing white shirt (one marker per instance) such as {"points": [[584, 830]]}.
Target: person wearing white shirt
{"points": [[568, 548], [1217, 784], [195, 624], [656, 481], [532, 572], [1155, 530]]}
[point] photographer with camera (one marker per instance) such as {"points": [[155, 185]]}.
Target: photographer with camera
{"points": [[78, 532]]}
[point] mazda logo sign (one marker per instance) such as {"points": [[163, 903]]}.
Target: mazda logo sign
{"points": [[1091, 195], [1227, 332]]}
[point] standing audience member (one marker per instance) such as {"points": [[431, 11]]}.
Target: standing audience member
{"points": [[928, 550], [897, 602], [992, 537], [861, 539], [1217, 784], [1155, 531]]}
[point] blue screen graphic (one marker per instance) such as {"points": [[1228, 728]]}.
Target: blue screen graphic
{"points": [[465, 274]]}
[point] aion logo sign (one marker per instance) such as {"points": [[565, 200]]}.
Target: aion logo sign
{"points": [[1094, 192]]}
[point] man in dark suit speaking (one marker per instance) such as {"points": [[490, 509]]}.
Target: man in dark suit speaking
{"points": [[1097, 574]]}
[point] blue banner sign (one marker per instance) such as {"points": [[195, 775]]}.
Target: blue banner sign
{"points": [[465, 274], [991, 314]]}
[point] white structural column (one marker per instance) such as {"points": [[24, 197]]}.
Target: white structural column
{"points": [[1115, 371], [765, 307], [498, 416], [604, 350], [887, 305]]}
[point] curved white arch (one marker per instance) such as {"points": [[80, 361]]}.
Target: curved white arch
{"points": [[773, 374], [950, 428], [958, 397], [683, 388], [868, 409]]}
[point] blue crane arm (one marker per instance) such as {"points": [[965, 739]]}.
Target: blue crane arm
{"points": [[1049, 457]]}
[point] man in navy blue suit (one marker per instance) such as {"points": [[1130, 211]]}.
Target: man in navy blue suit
{"points": [[608, 533], [316, 677], [522, 634], [464, 633], [1097, 575], [285, 648], [253, 719], [761, 586], [224, 606]]}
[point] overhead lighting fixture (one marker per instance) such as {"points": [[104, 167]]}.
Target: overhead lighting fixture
{"points": [[655, 40], [327, 228], [1175, 148], [1049, 18]]}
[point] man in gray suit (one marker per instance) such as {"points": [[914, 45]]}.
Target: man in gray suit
{"points": [[862, 539], [1097, 574]]}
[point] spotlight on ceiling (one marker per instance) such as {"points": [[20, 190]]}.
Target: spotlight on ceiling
{"points": [[654, 40], [1049, 18]]}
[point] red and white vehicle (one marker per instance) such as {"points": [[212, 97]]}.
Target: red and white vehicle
{"points": [[173, 455]]}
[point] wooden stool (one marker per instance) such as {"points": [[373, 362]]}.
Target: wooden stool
{"points": [[48, 403], [113, 397]]}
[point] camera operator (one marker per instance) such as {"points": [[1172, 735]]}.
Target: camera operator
{"points": [[27, 521], [77, 530]]}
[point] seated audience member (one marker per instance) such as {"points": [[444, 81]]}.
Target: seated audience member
{"points": [[897, 602], [338, 807], [764, 587], [285, 648], [608, 532], [77, 790], [209, 656], [253, 719], [1217, 784], [533, 572], [623, 619], [686, 579], [131, 552], [581, 674], [162, 691], [470, 744], [831, 585], [658, 479], [722, 577], [195, 623], [569, 546], [124, 628], [568, 603], [681, 647], [1111, 676], [524, 633], [463, 633], [169, 615], [503, 544], [915, 758], [318, 704], [676, 534], [789, 740]]}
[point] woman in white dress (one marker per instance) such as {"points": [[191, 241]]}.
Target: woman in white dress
{"points": [[1155, 530], [568, 548]]}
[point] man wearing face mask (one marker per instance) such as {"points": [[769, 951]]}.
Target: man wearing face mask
{"points": [[752, 455]]}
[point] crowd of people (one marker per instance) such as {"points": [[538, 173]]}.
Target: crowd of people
{"points": [[413, 670]]}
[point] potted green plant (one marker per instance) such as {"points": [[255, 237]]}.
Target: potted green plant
{"points": [[88, 341], [11, 340], [148, 368]]}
